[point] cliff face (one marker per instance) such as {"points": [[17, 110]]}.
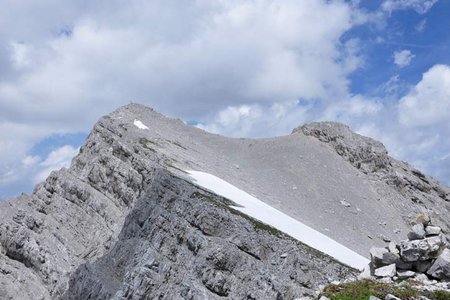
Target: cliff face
{"points": [[181, 242], [124, 221], [74, 216]]}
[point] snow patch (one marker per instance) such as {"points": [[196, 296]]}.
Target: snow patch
{"points": [[139, 124], [257, 209]]}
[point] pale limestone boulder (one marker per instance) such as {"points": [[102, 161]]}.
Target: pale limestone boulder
{"points": [[387, 271], [441, 267]]}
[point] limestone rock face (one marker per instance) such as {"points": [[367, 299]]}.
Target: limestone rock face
{"points": [[180, 240], [364, 153], [74, 216]]}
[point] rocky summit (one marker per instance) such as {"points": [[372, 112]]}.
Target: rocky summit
{"points": [[127, 221]]}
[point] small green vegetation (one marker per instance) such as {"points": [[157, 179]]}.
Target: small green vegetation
{"points": [[258, 224], [207, 196], [363, 289]]}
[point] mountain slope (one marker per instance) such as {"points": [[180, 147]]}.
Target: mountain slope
{"points": [[79, 221], [182, 242]]}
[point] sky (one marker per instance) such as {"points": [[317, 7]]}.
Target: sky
{"points": [[241, 68]]}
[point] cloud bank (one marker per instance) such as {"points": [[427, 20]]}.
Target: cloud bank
{"points": [[239, 68]]}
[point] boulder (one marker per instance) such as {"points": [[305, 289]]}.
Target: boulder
{"points": [[405, 274], [366, 273], [428, 248], [374, 298], [422, 266], [389, 258], [417, 232], [441, 267], [376, 255], [387, 271], [393, 248], [402, 265], [421, 278], [433, 230], [391, 297]]}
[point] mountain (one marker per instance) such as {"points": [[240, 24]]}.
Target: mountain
{"points": [[128, 220]]}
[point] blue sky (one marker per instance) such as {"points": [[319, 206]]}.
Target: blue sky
{"points": [[239, 68]]}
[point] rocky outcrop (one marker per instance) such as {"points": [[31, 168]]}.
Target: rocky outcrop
{"points": [[423, 193], [371, 157], [364, 153], [181, 242], [425, 252], [74, 216]]}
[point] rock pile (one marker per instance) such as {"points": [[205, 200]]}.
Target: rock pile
{"points": [[424, 252]]}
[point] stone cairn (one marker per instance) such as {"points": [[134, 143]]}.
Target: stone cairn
{"points": [[424, 252]]}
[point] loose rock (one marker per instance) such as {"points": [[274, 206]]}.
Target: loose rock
{"points": [[405, 274], [387, 271], [441, 267], [417, 233], [390, 258], [376, 255], [424, 249], [432, 230]]}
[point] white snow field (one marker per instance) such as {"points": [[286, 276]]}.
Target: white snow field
{"points": [[140, 125], [257, 209]]}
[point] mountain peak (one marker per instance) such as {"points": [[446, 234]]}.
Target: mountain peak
{"points": [[126, 218]]}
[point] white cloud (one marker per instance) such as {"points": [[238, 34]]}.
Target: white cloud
{"points": [[403, 58], [57, 159], [30, 161], [428, 103], [417, 128], [188, 59], [240, 67], [420, 6], [281, 117], [351, 109], [257, 120], [233, 52], [420, 27]]}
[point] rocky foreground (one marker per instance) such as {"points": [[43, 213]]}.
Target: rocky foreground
{"points": [[125, 221]]}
